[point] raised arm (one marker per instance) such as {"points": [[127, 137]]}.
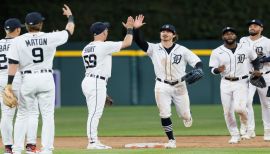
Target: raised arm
{"points": [[129, 36], [70, 25], [137, 35]]}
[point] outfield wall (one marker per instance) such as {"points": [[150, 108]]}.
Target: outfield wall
{"points": [[133, 78]]}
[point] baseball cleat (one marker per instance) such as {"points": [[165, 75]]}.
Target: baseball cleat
{"points": [[243, 129], [98, 145], [31, 149], [8, 149], [188, 123], [245, 137], [250, 134], [171, 144], [266, 136], [234, 139]]}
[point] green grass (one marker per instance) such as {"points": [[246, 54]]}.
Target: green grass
{"points": [[145, 121]]}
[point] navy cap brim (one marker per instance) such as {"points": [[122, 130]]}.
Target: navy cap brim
{"points": [[256, 23], [229, 30], [107, 24], [168, 29]]}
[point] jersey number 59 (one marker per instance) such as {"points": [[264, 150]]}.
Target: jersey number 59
{"points": [[90, 60]]}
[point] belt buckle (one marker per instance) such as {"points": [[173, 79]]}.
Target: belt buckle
{"points": [[35, 71], [231, 79]]}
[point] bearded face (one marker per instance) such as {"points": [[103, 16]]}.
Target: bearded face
{"points": [[254, 30], [229, 37]]}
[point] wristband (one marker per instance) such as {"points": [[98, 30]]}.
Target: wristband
{"points": [[71, 18], [10, 79], [130, 31]]}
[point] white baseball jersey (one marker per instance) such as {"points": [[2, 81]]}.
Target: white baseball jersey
{"points": [[35, 51], [261, 46], [5, 46], [236, 64], [171, 66], [97, 57]]}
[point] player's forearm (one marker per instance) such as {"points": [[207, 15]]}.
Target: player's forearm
{"points": [[199, 65], [70, 25], [139, 40], [256, 64], [128, 39], [214, 71], [265, 59], [12, 69]]}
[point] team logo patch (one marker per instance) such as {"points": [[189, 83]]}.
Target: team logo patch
{"points": [[241, 58], [259, 51], [177, 59]]}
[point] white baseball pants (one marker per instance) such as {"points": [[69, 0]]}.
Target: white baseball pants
{"points": [[234, 99], [37, 87], [95, 91], [165, 94], [265, 104], [7, 116]]}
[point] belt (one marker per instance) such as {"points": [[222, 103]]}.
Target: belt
{"points": [[262, 72], [168, 82], [235, 78], [96, 76], [36, 71]]}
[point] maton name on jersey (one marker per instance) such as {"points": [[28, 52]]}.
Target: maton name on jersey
{"points": [[34, 42]]}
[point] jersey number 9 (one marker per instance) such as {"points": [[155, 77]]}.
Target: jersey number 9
{"points": [[90, 60], [38, 55]]}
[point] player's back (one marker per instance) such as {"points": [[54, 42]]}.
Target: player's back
{"points": [[36, 51], [97, 57], [4, 47]]}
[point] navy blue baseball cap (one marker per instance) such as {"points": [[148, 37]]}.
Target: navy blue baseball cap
{"points": [[12, 23], [33, 18], [255, 21], [228, 29], [98, 27], [168, 27]]}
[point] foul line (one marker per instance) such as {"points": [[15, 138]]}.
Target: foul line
{"points": [[127, 53]]}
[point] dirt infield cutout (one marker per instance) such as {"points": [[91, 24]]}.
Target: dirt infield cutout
{"points": [[182, 142]]}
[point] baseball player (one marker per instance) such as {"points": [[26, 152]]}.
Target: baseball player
{"points": [[37, 79], [169, 60], [231, 61], [13, 29], [261, 45], [97, 58]]}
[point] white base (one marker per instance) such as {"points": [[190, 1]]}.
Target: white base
{"points": [[144, 145]]}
